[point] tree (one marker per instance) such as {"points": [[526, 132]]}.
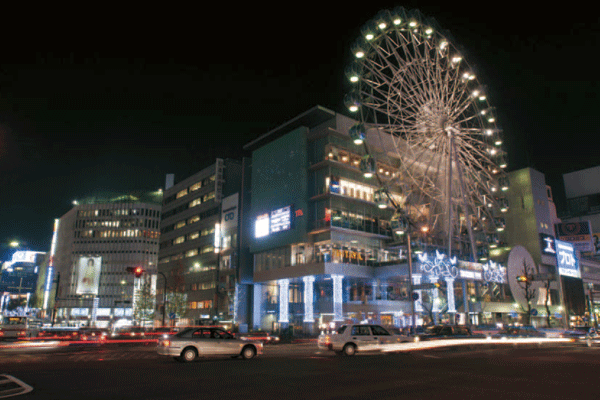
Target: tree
{"points": [[525, 281], [144, 303], [434, 305], [177, 298], [177, 304]]}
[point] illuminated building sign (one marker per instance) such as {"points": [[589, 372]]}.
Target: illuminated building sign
{"points": [[25, 256], [568, 265], [547, 244], [577, 233], [261, 227], [281, 219]]}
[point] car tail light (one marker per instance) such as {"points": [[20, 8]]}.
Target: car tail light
{"points": [[166, 343], [22, 333], [327, 340]]}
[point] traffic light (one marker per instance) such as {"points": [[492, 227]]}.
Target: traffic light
{"points": [[137, 271], [521, 278]]}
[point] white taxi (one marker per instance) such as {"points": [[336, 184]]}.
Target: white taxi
{"points": [[350, 339]]}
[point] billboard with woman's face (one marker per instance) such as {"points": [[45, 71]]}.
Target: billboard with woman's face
{"points": [[88, 275]]}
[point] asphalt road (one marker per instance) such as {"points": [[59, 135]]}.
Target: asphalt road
{"points": [[303, 372]]}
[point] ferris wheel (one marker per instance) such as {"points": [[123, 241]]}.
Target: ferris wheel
{"points": [[414, 93]]}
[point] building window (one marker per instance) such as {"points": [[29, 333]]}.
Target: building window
{"points": [[180, 224], [195, 202], [182, 193], [208, 196], [191, 253], [193, 235], [179, 240], [195, 186], [193, 219]]}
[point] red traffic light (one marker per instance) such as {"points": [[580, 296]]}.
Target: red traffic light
{"points": [[137, 271]]}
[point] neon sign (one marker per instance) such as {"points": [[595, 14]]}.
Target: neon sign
{"points": [[494, 272], [441, 266]]}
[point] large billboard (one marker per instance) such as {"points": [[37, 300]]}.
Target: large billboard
{"points": [[578, 233], [567, 263], [88, 275]]}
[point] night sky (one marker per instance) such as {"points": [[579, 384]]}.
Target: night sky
{"points": [[114, 102]]}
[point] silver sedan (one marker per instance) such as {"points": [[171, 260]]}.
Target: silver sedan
{"points": [[191, 343]]}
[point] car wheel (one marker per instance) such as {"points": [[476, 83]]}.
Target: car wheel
{"points": [[189, 354], [349, 350], [248, 352]]}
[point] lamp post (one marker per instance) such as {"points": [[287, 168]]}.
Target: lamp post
{"points": [[164, 297], [592, 307], [410, 286]]}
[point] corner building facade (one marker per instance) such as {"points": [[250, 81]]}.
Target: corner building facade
{"points": [[323, 248], [96, 241]]}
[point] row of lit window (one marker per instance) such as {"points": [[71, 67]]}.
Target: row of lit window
{"points": [[126, 223], [117, 234], [194, 305], [353, 189], [191, 220], [202, 286], [345, 157], [195, 187], [194, 235], [119, 212], [200, 200], [201, 250]]}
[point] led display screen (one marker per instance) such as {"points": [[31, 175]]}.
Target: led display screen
{"points": [[281, 219]]}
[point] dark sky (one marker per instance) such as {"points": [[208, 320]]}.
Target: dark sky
{"points": [[116, 101]]}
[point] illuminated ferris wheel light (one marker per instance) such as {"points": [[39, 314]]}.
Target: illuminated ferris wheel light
{"points": [[411, 88]]}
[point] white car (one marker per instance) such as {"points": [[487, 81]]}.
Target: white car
{"points": [[349, 339], [191, 343]]}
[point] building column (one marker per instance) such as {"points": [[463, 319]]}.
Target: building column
{"points": [[337, 297], [257, 311], [375, 286], [284, 297], [450, 295], [418, 302], [308, 299]]}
